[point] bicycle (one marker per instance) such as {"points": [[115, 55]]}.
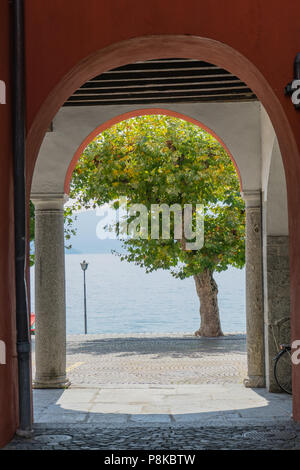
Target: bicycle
{"points": [[283, 368]]}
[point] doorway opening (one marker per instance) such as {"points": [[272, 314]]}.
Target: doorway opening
{"points": [[239, 119]]}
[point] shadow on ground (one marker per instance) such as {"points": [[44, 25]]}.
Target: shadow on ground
{"points": [[159, 346]]}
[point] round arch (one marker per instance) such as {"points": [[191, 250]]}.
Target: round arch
{"points": [[135, 113], [164, 46]]}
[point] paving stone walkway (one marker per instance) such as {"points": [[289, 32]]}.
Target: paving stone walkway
{"points": [[156, 359], [159, 392], [160, 438]]}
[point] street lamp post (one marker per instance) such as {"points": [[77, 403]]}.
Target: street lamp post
{"points": [[84, 266]]}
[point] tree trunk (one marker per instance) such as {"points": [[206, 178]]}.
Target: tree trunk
{"points": [[207, 291]]}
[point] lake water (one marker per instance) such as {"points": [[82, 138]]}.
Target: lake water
{"points": [[122, 298]]}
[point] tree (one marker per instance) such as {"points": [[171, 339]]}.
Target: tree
{"points": [[156, 160]]}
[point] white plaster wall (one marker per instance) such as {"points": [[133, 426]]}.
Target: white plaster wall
{"points": [[273, 181], [276, 196], [237, 124], [267, 144]]}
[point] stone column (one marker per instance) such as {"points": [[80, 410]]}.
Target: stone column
{"points": [[50, 304], [254, 290], [277, 303]]}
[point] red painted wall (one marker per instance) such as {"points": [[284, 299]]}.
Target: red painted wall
{"points": [[8, 372], [60, 34]]}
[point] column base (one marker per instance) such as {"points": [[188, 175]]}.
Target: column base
{"points": [[273, 388], [25, 434], [254, 381], [51, 383]]}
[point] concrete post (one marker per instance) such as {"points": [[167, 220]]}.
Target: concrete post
{"points": [[254, 290], [50, 304]]}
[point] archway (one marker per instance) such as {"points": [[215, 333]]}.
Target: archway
{"points": [[168, 46], [134, 113], [151, 47], [237, 123]]}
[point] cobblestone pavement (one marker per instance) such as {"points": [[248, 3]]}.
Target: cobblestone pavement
{"points": [[160, 438], [159, 392], [156, 359]]}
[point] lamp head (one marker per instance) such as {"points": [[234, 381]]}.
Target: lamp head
{"points": [[84, 265]]}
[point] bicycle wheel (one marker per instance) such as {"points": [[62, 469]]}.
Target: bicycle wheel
{"points": [[283, 371]]}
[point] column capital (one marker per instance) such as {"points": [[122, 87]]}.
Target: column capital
{"points": [[50, 201], [252, 197]]}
